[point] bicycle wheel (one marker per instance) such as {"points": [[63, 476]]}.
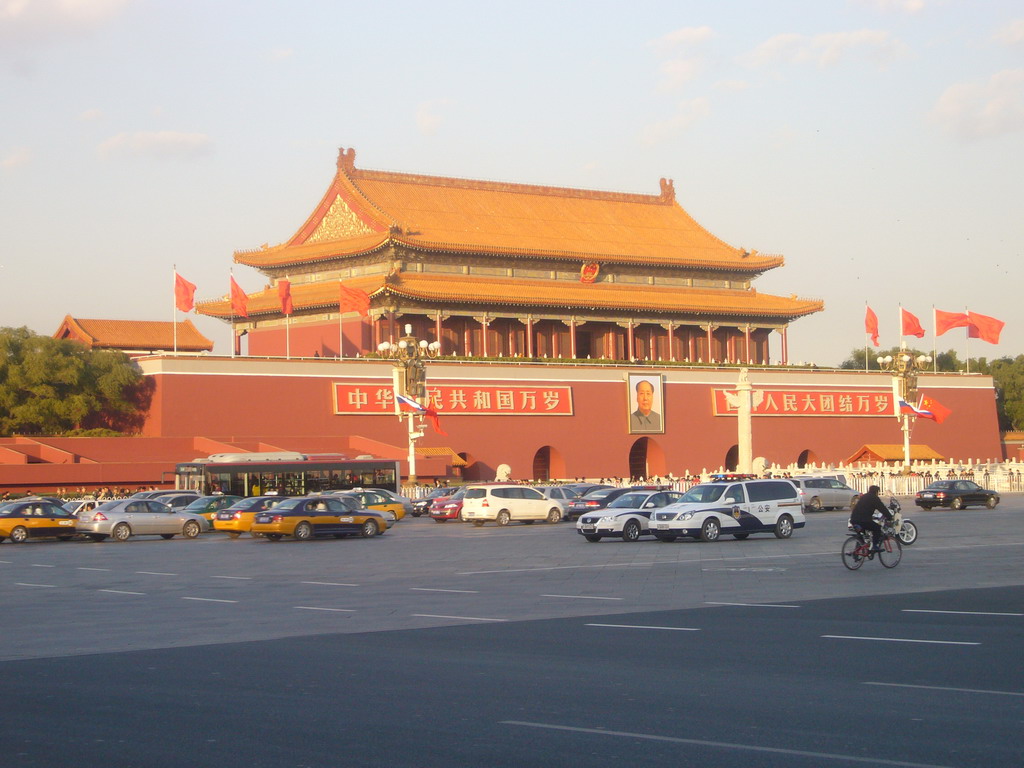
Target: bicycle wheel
{"points": [[891, 553], [852, 558]]}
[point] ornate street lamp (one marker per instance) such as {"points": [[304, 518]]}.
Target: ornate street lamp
{"points": [[410, 376], [904, 367]]}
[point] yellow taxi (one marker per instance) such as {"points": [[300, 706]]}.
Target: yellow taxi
{"points": [[209, 506], [237, 519], [306, 517], [35, 519], [373, 499]]}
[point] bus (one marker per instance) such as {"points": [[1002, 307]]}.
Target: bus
{"points": [[285, 473]]}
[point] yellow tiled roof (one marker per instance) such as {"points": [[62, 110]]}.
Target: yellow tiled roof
{"points": [[894, 452], [367, 210], [133, 334], [455, 290]]}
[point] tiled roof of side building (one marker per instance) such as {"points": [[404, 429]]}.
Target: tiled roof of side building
{"points": [[133, 334], [456, 290], [364, 210]]}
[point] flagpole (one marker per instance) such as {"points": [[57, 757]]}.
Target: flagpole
{"points": [[967, 342], [935, 340], [174, 309], [231, 300], [341, 328], [866, 308]]}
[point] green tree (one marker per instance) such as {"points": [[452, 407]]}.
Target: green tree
{"points": [[51, 386]]}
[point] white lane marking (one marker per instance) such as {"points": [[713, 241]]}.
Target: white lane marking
{"points": [[722, 745], [643, 626], [92, 569], [156, 573], [209, 600], [458, 591], [954, 690], [23, 584], [239, 578], [962, 613], [560, 568], [38, 565], [121, 592], [329, 583], [584, 597], [459, 618], [5, 561], [898, 640], [754, 605], [314, 608]]}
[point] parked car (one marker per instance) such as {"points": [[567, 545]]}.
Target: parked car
{"points": [[379, 500], [597, 499], [955, 494], [739, 508], [35, 519], [627, 516], [355, 501], [507, 503], [176, 500], [122, 518], [818, 493], [209, 506], [81, 505], [560, 494], [421, 506], [305, 517], [445, 508], [405, 501], [237, 519], [582, 489]]}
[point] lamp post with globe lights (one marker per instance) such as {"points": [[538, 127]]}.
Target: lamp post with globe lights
{"points": [[903, 368], [408, 356]]}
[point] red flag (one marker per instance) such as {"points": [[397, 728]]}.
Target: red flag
{"points": [[435, 422], [911, 325], [984, 327], [929, 408], [871, 325], [184, 293], [284, 293], [945, 321], [354, 300], [239, 301]]}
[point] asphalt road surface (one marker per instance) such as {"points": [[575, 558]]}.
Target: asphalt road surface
{"points": [[450, 645]]}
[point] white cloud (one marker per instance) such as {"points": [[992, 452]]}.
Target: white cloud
{"points": [[732, 85], [827, 50], [280, 54], [20, 156], [428, 117], [90, 114], [983, 110], [682, 37], [25, 23], [899, 6], [1011, 34], [680, 69], [676, 72], [157, 144], [687, 114]]}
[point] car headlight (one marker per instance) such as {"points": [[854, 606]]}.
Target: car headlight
{"points": [[606, 519], [685, 516]]}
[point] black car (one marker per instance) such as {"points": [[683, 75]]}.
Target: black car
{"points": [[421, 506], [598, 499], [955, 494]]}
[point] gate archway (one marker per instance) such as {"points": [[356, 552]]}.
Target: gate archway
{"points": [[548, 464], [806, 457], [646, 459]]}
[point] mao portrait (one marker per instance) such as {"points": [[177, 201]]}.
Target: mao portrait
{"points": [[645, 398]]}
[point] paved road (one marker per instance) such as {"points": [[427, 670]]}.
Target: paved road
{"points": [[442, 645]]}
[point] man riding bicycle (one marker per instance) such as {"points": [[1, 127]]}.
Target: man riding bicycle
{"points": [[863, 516]]}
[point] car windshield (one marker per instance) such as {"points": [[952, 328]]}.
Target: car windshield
{"points": [[701, 494], [599, 495], [631, 500], [109, 505], [940, 485]]}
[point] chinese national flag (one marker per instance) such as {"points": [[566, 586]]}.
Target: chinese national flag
{"points": [[911, 325], [871, 325], [932, 409], [354, 300], [239, 301], [184, 293], [984, 327], [284, 293], [945, 321]]}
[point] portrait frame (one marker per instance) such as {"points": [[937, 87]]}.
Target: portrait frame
{"points": [[653, 422]]}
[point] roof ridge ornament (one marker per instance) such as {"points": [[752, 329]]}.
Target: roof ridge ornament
{"points": [[346, 159], [668, 191]]}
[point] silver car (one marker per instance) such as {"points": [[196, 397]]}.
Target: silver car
{"points": [[124, 518], [818, 493]]}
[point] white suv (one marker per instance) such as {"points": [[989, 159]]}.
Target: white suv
{"points": [[505, 503], [736, 507]]}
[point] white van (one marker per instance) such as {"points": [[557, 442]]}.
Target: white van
{"points": [[736, 507], [506, 503]]}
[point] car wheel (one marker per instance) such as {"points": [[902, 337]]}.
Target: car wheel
{"points": [[234, 534], [784, 527], [504, 518], [740, 536], [369, 529], [814, 505], [853, 502], [167, 536], [2, 539], [478, 523], [274, 536], [440, 520], [191, 529], [668, 537], [631, 531], [991, 502], [19, 535], [121, 532], [926, 506], [593, 537], [98, 537], [957, 503], [303, 531], [710, 530], [554, 515], [65, 538]]}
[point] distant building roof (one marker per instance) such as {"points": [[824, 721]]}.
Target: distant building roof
{"points": [[134, 336], [891, 452]]}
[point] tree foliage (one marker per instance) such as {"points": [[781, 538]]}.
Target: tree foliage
{"points": [[53, 386]]}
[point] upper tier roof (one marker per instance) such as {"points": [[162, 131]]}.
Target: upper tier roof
{"points": [[133, 335], [366, 210]]}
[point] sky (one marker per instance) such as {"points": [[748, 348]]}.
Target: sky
{"points": [[878, 145]]}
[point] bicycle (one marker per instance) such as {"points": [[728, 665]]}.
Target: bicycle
{"points": [[857, 548]]}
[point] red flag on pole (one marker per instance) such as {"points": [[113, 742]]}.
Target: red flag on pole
{"points": [[984, 327], [284, 293], [239, 301], [930, 408], [871, 325], [945, 321], [184, 293], [354, 300], [911, 326]]}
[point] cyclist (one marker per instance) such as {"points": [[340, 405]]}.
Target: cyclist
{"points": [[863, 516]]}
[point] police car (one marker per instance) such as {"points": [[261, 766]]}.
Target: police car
{"points": [[627, 517], [734, 507]]}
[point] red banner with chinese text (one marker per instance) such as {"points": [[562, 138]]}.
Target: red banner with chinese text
{"points": [[468, 399], [803, 402]]}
